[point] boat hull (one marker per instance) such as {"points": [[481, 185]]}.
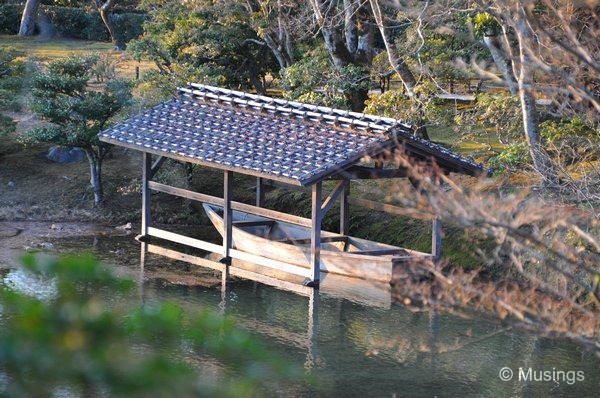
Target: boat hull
{"points": [[333, 257]]}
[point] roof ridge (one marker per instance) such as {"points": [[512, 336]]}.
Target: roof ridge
{"points": [[322, 112]]}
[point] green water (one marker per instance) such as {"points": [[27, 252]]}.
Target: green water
{"points": [[363, 347]]}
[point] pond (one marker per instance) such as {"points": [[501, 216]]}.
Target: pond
{"points": [[364, 344]]}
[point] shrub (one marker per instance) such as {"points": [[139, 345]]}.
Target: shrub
{"points": [[10, 18], [77, 23], [512, 158]]}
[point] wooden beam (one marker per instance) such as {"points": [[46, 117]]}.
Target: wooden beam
{"points": [[259, 211], [185, 240], [324, 239], [156, 165], [146, 176], [380, 252], [260, 192], [369, 173], [339, 188], [188, 258], [315, 234], [227, 213], [436, 239], [344, 211], [269, 262], [253, 223]]}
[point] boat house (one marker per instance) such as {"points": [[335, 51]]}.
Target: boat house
{"points": [[274, 140]]}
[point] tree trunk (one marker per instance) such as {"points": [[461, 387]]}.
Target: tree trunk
{"points": [[95, 176], [28, 18], [502, 62], [357, 99], [105, 11]]}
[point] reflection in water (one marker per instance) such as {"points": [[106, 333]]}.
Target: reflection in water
{"points": [[30, 284], [356, 341]]}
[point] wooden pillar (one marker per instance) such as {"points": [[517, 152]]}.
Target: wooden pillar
{"points": [[260, 192], [344, 211], [146, 176], [436, 238], [227, 222], [315, 235]]}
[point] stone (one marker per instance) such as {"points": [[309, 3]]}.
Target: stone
{"points": [[125, 227], [61, 154]]}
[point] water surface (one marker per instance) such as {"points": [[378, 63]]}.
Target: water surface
{"points": [[361, 344]]}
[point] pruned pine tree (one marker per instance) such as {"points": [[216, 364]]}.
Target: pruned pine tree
{"points": [[75, 113]]}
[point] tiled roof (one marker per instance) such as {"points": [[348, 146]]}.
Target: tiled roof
{"points": [[274, 138]]}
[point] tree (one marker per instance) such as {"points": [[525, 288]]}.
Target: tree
{"points": [[347, 29], [558, 39], [105, 9], [30, 11], [203, 40], [506, 44], [278, 23], [75, 113]]}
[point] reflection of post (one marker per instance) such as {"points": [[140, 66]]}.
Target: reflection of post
{"points": [[434, 330], [225, 286], [315, 236], [227, 221], [436, 239], [312, 330], [143, 254]]}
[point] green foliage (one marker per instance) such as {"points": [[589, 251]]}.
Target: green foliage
{"points": [[87, 340], [572, 139], [11, 79], [485, 24], [395, 104], [10, 18], [498, 112], [181, 37], [512, 158], [81, 23], [74, 112], [315, 71], [70, 20]]}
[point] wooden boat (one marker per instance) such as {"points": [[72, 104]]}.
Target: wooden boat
{"points": [[290, 243]]}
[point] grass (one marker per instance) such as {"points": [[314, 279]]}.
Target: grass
{"points": [[45, 50]]}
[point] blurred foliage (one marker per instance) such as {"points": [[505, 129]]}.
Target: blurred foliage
{"points": [[81, 342]]}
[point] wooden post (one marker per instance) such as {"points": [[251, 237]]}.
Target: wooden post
{"points": [[146, 176], [260, 192], [227, 222], [344, 211], [436, 239], [315, 235]]}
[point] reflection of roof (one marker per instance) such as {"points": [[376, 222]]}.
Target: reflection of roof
{"points": [[269, 137]]}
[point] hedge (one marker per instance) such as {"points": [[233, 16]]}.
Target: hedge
{"points": [[77, 23]]}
